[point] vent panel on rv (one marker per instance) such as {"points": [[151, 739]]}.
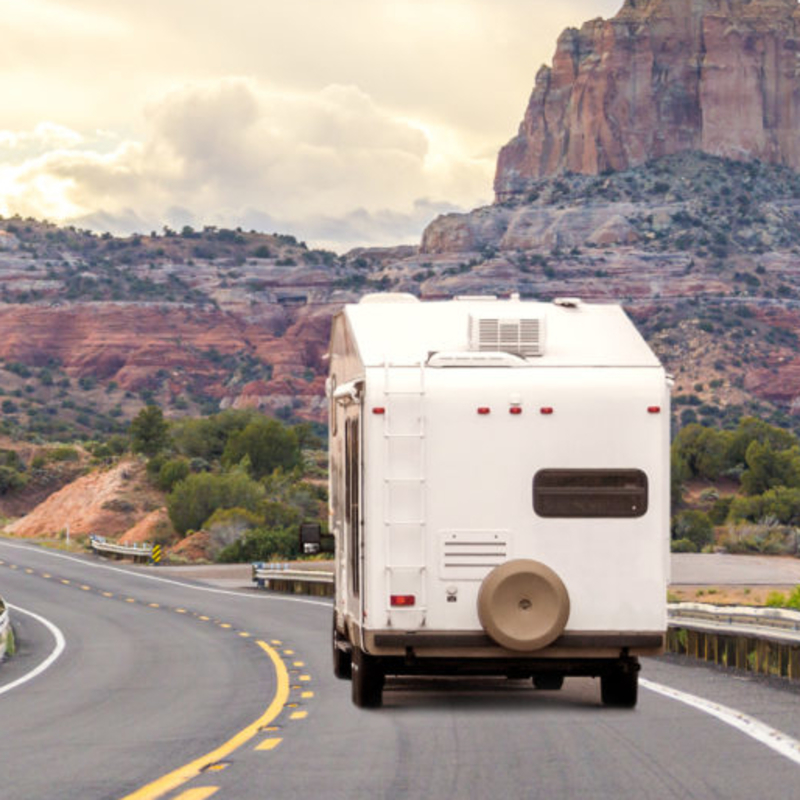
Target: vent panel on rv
{"points": [[521, 336], [469, 555]]}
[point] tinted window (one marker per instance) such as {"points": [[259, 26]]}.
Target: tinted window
{"points": [[590, 493]]}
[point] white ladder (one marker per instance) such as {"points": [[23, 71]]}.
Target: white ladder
{"points": [[404, 492]]}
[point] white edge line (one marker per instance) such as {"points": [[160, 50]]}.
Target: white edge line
{"points": [[49, 661], [755, 729], [145, 576]]}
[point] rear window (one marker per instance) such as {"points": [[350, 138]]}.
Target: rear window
{"points": [[590, 493]]}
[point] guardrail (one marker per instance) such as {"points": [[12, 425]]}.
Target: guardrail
{"points": [[138, 552], [5, 628], [760, 640], [282, 578]]}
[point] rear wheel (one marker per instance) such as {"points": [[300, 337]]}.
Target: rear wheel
{"points": [[368, 679], [548, 683], [342, 661], [620, 689]]}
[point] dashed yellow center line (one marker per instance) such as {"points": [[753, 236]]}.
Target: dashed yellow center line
{"points": [[46, 575], [305, 678], [180, 610], [269, 744], [299, 715], [173, 780], [298, 664], [276, 642], [154, 605], [204, 619], [65, 581], [29, 571], [86, 588], [130, 599], [200, 793], [244, 635], [225, 625], [14, 566], [288, 652], [307, 695], [108, 594]]}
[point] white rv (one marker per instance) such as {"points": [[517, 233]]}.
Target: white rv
{"points": [[499, 492]]}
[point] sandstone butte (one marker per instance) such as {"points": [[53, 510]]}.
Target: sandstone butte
{"points": [[661, 77]]}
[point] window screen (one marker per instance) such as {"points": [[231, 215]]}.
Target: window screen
{"points": [[590, 493]]}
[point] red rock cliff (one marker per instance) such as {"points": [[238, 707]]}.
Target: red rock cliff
{"points": [[662, 76]]}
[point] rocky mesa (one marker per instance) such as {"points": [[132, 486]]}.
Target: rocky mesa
{"points": [[662, 77]]}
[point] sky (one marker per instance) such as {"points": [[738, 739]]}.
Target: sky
{"points": [[345, 123]]}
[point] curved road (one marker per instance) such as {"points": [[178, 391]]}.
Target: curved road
{"points": [[156, 673]]}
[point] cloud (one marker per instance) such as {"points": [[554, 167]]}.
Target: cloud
{"points": [[350, 112], [332, 165]]}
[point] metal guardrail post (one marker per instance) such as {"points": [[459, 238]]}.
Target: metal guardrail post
{"points": [[5, 625], [281, 578], [143, 552], [760, 640]]}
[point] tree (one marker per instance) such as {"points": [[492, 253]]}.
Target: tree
{"points": [[196, 498], [768, 468], [149, 431], [267, 443]]}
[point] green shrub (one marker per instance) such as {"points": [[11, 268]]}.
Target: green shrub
{"points": [[63, 452], [693, 525], [683, 546], [193, 500], [263, 544], [171, 472]]}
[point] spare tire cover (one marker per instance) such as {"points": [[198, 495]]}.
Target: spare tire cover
{"points": [[523, 605]]}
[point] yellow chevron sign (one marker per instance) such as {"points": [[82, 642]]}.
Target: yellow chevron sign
{"points": [[156, 556]]}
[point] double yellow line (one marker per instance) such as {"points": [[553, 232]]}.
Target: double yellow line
{"points": [[178, 777]]}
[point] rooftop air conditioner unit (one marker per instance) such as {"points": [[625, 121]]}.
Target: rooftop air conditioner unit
{"points": [[523, 336]]}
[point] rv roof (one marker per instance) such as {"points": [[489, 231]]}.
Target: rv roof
{"points": [[577, 335]]}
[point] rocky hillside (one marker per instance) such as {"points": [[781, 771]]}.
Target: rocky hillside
{"points": [[662, 77], [612, 192]]}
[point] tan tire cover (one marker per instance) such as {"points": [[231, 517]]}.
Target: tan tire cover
{"points": [[523, 605]]}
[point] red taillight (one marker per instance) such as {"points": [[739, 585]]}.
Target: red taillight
{"points": [[546, 410], [378, 410], [403, 600], [515, 410], [483, 410], [654, 410]]}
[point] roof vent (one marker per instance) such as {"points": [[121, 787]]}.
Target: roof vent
{"points": [[523, 336]]}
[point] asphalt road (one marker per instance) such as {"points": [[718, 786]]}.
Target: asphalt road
{"points": [[140, 691]]}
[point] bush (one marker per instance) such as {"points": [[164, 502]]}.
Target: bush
{"points": [[10, 480], [720, 510], [780, 600], [263, 544], [765, 539], [63, 453], [267, 444], [683, 546], [694, 526], [171, 472], [193, 500]]}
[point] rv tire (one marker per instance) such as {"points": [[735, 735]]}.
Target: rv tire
{"points": [[368, 679], [342, 656], [620, 688]]}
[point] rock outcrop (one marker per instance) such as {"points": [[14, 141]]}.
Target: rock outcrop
{"points": [[661, 77]]}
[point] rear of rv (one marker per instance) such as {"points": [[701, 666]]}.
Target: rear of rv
{"points": [[499, 512]]}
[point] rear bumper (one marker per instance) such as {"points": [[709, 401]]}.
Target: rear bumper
{"points": [[574, 645]]}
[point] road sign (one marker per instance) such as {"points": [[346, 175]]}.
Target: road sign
{"points": [[156, 553]]}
